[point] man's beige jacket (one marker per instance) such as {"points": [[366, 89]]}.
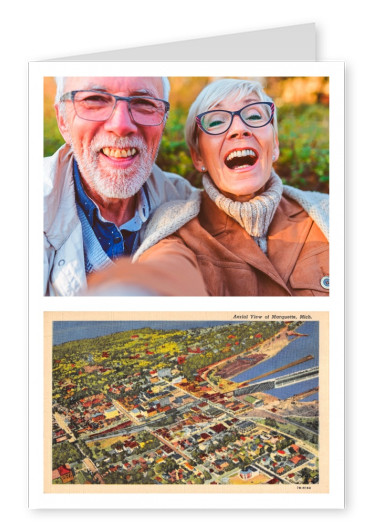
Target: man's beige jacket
{"points": [[64, 265]]}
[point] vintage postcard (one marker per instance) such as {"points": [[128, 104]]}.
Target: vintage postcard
{"points": [[210, 405]]}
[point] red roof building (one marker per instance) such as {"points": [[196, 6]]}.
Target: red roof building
{"points": [[295, 447], [196, 350], [218, 428], [66, 474], [295, 459]]}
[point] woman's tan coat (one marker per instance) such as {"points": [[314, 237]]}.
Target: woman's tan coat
{"points": [[213, 255]]}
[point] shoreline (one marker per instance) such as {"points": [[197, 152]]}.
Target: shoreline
{"points": [[270, 349]]}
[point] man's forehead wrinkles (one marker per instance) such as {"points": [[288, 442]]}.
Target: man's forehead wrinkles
{"points": [[145, 92], [129, 91], [95, 86]]}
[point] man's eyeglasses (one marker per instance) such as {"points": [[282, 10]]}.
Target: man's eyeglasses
{"points": [[253, 115], [98, 106]]}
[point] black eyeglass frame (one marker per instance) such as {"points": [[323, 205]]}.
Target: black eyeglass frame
{"points": [[236, 113], [72, 94]]}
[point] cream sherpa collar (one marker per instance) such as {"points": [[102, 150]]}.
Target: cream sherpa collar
{"points": [[255, 215], [169, 217]]}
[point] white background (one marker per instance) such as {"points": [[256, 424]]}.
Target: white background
{"points": [[41, 30]]}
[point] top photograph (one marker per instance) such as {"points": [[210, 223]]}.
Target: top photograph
{"points": [[186, 186]]}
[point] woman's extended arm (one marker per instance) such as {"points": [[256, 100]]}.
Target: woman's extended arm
{"points": [[166, 269]]}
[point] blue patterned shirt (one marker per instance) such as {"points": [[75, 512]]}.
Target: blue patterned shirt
{"points": [[115, 241]]}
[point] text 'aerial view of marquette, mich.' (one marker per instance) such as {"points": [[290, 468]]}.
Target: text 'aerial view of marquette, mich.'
{"points": [[185, 402]]}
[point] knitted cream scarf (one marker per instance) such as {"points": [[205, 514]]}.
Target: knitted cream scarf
{"points": [[255, 215]]}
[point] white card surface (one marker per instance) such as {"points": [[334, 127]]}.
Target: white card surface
{"points": [[213, 57]]}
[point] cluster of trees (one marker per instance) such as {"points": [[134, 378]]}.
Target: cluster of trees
{"points": [[294, 325], [132, 477], [271, 422], [64, 453], [308, 475], [166, 466]]}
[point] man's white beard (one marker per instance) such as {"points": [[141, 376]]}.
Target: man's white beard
{"points": [[115, 183]]}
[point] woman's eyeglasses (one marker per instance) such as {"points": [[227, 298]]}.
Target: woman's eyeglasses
{"points": [[254, 115]]}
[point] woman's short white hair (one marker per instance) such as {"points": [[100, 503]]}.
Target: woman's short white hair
{"points": [[60, 84], [216, 92]]}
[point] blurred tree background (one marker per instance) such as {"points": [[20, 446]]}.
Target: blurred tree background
{"points": [[303, 128]]}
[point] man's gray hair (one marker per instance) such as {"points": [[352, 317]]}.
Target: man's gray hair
{"points": [[213, 94], [60, 84]]}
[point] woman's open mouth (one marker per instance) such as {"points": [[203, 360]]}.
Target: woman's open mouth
{"points": [[241, 158]]}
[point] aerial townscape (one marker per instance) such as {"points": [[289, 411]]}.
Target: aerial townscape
{"points": [[227, 404]]}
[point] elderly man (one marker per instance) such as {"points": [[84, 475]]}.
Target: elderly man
{"points": [[102, 186]]}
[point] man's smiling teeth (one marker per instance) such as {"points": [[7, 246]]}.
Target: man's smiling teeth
{"points": [[119, 153], [241, 153]]}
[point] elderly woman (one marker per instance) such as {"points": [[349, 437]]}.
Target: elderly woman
{"points": [[248, 234]]}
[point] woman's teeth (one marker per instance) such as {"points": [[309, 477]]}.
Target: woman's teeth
{"points": [[241, 158], [241, 153], [119, 153]]}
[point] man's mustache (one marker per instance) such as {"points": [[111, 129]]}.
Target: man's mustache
{"points": [[103, 141]]}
